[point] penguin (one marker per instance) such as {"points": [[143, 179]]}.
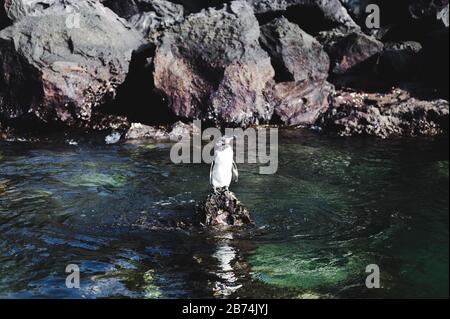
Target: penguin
{"points": [[223, 168]]}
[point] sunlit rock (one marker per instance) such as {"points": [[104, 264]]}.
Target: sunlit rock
{"points": [[223, 209], [141, 131], [61, 65], [212, 67]]}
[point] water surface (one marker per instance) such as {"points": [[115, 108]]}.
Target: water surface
{"points": [[334, 207]]}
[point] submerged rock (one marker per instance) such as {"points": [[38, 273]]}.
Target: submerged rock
{"points": [[222, 209], [56, 71], [385, 115], [212, 67]]}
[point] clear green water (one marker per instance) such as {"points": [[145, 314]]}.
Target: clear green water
{"points": [[334, 207]]}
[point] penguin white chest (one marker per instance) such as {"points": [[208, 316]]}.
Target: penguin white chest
{"points": [[222, 173]]}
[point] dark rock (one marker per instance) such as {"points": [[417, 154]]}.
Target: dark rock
{"points": [[438, 9], [193, 6], [385, 115], [411, 20], [137, 98], [212, 67], [60, 73], [5, 132], [161, 15], [4, 20], [326, 14], [301, 67], [123, 8], [399, 60], [348, 49], [295, 54], [356, 8], [223, 209], [127, 8], [433, 62]]}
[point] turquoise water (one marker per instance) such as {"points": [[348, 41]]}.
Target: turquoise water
{"points": [[334, 207]]}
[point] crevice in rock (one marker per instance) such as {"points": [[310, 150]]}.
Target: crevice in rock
{"points": [[310, 19], [4, 20], [276, 120], [193, 6], [137, 98], [282, 74], [20, 83], [124, 9]]}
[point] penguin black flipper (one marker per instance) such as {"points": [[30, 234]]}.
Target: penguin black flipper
{"points": [[211, 173], [235, 172]]}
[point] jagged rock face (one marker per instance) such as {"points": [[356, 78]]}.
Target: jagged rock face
{"points": [[442, 15], [17, 9], [301, 103], [212, 67], [348, 49], [223, 209], [4, 20], [123, 8], [160, 15], [148, 16], [294, 52], [301, 69], [355, 8], [384, 115], [332, 10], [57, 70], [127, 8]]}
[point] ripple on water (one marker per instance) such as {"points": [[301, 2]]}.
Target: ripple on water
{"points": [[332, 208]]}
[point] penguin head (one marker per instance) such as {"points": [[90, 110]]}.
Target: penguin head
{"points": [[225, 140]]}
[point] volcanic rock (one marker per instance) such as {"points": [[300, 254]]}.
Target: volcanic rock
{"points": [[384, 115], [223, 209], [58, 70], [212, 67]]}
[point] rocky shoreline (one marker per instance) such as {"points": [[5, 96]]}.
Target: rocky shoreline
{"points": [[136, 68]]}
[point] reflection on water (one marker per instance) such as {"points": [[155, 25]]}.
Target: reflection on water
{"points": [[335, 206], [225, 255]]}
